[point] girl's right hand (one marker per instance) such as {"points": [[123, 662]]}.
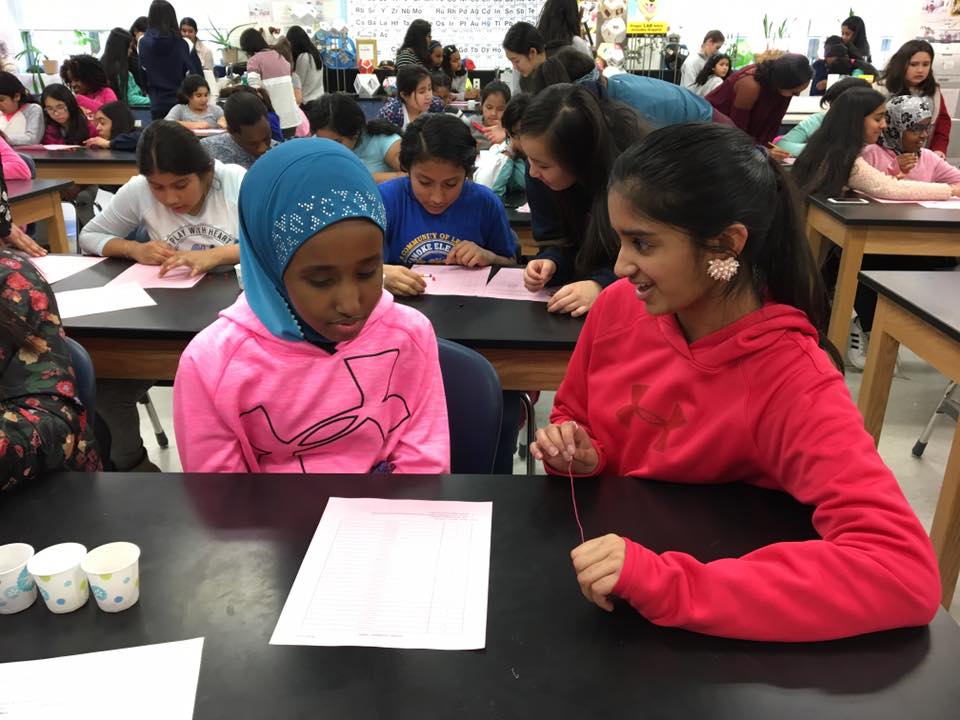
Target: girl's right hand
{"points": [[151, 253], [557, 445], [907, 162], [538, 273], [97, 142], [400, 280]]}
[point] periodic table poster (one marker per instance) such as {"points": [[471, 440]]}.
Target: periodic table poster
{"points": [[476, 27]]}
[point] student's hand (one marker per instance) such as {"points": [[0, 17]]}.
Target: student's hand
{"points": [[598, 563], [194, 124], [575, 298], [151, 253], [538, 273], [400, 280], [222, 122], [471, 94], [778, 154], [199, 262], [907, 162], [21, 241], [471, 255], [495, 134], [96, 142], [940, 154], [955, 190], [557, 445], [822, 85]]}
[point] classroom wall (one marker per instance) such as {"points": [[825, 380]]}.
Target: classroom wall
{"points": [[899, 20]]}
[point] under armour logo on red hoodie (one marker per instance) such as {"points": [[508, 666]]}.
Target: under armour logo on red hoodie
{"points": [[667, 425]]}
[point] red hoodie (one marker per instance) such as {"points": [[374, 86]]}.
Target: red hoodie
{"points": [[756, 402]]}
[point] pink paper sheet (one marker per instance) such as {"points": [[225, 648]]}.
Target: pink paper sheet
{"points": [[507, 284], [57, 267], [453, 279], [147, 276]]}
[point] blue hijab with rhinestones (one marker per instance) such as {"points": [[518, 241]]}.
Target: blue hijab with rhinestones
{"points": [[288, 196]]}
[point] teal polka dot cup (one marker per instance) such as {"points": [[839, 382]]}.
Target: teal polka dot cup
{"points": [[18, 591], [60, 581], [113, 571]]}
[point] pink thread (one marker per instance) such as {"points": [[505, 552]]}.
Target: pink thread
{"points": [[573, 498]]}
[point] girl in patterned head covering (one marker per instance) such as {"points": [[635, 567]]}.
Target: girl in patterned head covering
{"points": [[901, 150], [314, 369]]}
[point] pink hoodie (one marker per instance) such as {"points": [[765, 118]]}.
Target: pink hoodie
{"points": [[14, 168], [247, 401], [930, 167]]}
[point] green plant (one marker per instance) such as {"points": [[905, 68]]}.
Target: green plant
{"points": [[773, 32], [34, 58], [223, 39], [90, 41]]}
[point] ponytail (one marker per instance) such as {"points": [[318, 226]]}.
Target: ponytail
{"points": [[654, 176]]}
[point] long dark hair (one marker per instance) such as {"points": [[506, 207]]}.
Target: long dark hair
{"points": [[87, 69], [191, 83], [859, 45], [559, 21], [585, 135], [416, 39], [408, 77], [826, 162], [163, 18], [141, 24], [654, 176], [115, 61], [895, 74], [342, 114], [189, 22], [121, 119], [301, 43], [522, 37], [784, 73], [252, 42], [448, 52], [76, 129], [564, 66], [10, 85], [707, 71], [169, 147]]}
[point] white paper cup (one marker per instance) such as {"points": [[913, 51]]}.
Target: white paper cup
{"points": [[114, 574], [61, 582], [18, 591]]}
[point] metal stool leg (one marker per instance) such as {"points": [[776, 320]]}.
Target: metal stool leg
{"points": [[531, 431], [155, 421], [942, 408]]}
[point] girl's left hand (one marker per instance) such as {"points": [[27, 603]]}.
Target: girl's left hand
{"points": [[495, 134], [575, 298], [97, 142], [598, 563], [469, 254], [941, 155], [21, 241], [199, 261]]}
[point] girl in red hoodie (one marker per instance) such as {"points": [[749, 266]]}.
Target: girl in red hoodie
{"points": [[705, 364]]}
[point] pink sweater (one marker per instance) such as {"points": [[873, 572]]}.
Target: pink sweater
{"points": [[91, 103], [14, 168], [929, 168], [270, 64], [247, 401]]}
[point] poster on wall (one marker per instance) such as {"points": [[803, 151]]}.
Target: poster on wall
{"points": [[476, 27], [645, 17], [940, 21], [308, 14]]}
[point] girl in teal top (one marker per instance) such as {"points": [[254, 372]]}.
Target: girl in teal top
{"points": [[796, 140]]}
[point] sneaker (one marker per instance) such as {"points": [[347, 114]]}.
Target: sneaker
{"points": [[857, 352]]}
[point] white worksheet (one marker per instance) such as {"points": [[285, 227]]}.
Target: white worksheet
{"points": [[393, 573], [453, 279], [57, 267], [109, 298], [150, 682], [941, 204]]}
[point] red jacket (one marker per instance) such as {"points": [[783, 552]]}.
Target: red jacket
{"points": [[942, 126], [756, 402]]}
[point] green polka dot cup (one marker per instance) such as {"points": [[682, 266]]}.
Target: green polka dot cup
{"points": [[113, 571], [60, 581], [17, 589]]}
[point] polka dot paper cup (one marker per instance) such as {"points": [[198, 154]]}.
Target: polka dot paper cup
{"points": [[18, 591], [61, 582], [114, 574]]}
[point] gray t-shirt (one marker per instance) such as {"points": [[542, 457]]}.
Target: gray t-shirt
{"points": [[183, 113], [225, 149]]}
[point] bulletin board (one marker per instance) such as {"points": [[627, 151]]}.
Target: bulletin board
{"points": [[476, 27]]}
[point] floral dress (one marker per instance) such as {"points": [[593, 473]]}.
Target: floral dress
{"points": [[43, 426]]}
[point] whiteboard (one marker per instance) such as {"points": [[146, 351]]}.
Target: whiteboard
{"points": [[476, 27]]}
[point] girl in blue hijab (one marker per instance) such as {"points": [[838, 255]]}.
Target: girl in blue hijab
{"points": [[314, 369]]}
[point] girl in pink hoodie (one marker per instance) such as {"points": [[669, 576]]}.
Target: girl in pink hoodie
{"points": [[901, 151], [314, 369]]}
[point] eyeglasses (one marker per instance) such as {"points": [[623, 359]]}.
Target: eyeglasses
{"points": [[55, 109]]}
